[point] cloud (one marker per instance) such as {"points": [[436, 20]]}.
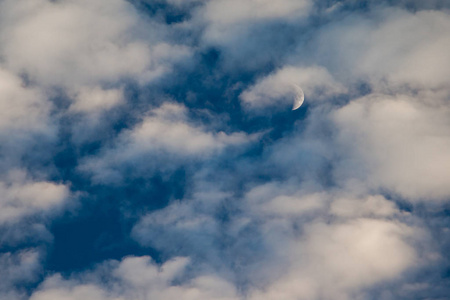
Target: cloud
{"points": [[137, 278], [313, 274], [79, 42], [25, 123], [166, 133], [276, 89], [389, 138], [325, 244], [22, 197], [337, 261], [191, 225], [23, 109], [168, 129], [395, 143], [28, 199], [342, 200], [235, 12], [18, 269], [82, 45], [25, 117], [300, 244], [373, 205], [247, 34], [391, 48], [26, 205], [381, 139], [284, 200], [96, 98]]}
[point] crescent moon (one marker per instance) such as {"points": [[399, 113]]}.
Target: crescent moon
{"points": [[299, 97]]}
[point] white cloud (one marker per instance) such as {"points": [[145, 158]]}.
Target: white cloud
{"points": [[72, 42], [167, 134], [284, 200], [339, 260], [288, 242], [276, 90], [369, 206], [21, 267], [168, 129], [22, 197], [394, 137], [138, 278], [26, 121], [391, 48], [26, 202], [82, 45], [395, 143], [245, 32], [304, 220], [96, 98], [22, 108], [355, 252], [229, 12], [190, 223]]}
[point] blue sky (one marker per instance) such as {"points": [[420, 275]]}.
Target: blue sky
{"points": [[149, 149]]}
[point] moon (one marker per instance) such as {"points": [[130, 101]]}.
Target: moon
{"points": [[299, 97]]}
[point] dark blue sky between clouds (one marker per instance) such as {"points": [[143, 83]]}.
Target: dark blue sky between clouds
{"points": [[150, 150]]}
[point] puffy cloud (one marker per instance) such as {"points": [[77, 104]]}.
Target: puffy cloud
{"points": [[78, 42], [314, 273], [95, 98], [138, 278], [337, 261], [391, 48], [26, 205], [166, 133], [235, 12], [189, 224], [18, 269], [277, 89], [22, 108], [390, 141], [168, 129], [246, 33], [83, 45], [304, 212], [372, 205], [299, 244], [27, 199], [284, 200], [390, 138], [395, 143], [329, 245], [22, 197]]}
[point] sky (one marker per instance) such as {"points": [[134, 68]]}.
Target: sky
{"points": [[149, 150]]}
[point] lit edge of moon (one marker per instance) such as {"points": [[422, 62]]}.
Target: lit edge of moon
{"points": [[299, 97]]}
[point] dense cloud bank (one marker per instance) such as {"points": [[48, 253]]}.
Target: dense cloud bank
{"points": [[149, 149]]}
